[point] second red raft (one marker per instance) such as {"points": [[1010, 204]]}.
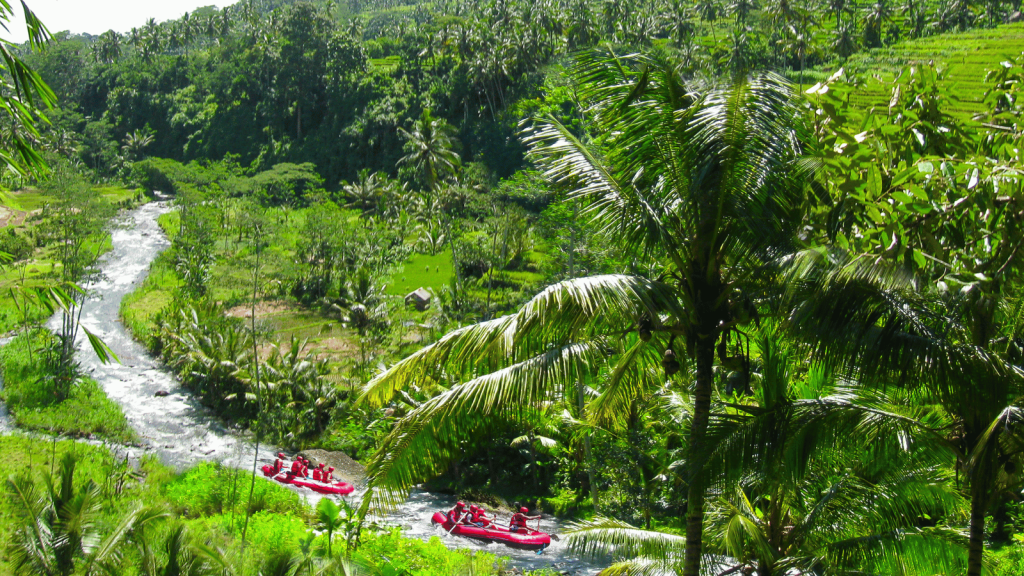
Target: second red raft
{"points": [[529, 540], [286, 477]]}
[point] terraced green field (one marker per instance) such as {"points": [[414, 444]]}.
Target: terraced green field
{"points": [[966, 58]]}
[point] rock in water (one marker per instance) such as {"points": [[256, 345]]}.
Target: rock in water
{"points": [[345, 468], [162, 393]]}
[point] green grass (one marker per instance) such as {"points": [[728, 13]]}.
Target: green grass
{"points": [[139, 307], [387, 63], [30, 398], [423, 270], [30, 199], [209, 489], [117, 194]]}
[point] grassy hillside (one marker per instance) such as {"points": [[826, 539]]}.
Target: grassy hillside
{"points": [[966, 57]]}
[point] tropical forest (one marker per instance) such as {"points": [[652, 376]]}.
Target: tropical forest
{"points": [[514, 287]]}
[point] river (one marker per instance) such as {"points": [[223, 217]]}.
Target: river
{"points": [[178, 429]]}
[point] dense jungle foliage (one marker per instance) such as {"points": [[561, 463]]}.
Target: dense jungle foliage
{"points": [[736, 285]]}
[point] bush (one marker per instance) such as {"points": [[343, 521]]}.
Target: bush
{"points": [[17, 245], [419, 558], [210, 488]]}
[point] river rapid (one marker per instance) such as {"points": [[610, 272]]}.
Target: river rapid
{"points": [[182, 432]]}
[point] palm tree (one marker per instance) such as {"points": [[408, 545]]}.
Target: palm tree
{"points": [[798, 466], [708, 12], [742, 9], [875, 16], [183, 556], [109, 47], [365, 193], [430, 147], [915, 17], [838, 8], [956, 348], [844, 41], [135, 142], [59, 527], [700, 178]]}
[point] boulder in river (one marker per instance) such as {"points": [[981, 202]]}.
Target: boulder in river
{"points": [[162, 393], [345, 468]]}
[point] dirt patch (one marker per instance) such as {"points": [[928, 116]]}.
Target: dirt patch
{"points": [[20, 217], [345, 467], [14, 218], [263, 309], [337, 344]]}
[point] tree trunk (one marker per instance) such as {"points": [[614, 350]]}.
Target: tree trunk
{"points": [[580, 400], [705, 356], [979, 503]]}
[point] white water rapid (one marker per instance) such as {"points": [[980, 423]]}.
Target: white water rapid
{"points": [[181, 432]]}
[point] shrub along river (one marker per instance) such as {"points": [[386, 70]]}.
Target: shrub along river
{"points": [[180, 431]]}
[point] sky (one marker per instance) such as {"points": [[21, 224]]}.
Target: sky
{"points": [[98, 16]]}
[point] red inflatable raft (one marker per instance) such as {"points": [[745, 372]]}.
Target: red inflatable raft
{"points": [[529, 540], [286, 477]]}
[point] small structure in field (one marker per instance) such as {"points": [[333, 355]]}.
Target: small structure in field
{"points": [[419, 298]]}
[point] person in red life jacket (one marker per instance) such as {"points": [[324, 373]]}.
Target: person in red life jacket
{"points": [[278, 464], [305, 468], [330, 474], [468, 519], [455, 514], [317, 475], [518, 521], [481, 519], [296, 467]]}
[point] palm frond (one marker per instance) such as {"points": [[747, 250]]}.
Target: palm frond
{"points": [[426, 441], [603, 537], [565, 312]]}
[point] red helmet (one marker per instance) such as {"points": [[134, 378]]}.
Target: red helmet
{"points": [[280, 455], [330, 468], [481, 510], [474, 507], [523, 510], [460, 505]]}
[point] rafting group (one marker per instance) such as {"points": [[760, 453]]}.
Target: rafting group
{"points": [[320, 480], [475, 523]]}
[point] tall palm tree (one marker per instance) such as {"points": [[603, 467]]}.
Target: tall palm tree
{"points": [[708, 11], [430, 147], [702, 180], [742, 9]]}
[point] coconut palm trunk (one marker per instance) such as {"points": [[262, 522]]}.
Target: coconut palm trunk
{"points": [[698, 433], [976, 542]]}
